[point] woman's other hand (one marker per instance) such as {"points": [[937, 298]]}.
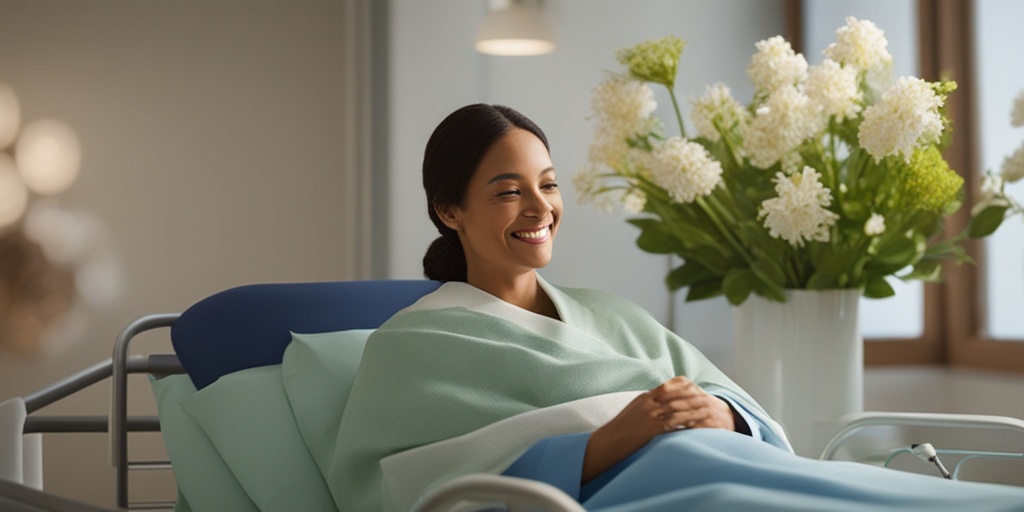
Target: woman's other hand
{"points": [[675, 404]]}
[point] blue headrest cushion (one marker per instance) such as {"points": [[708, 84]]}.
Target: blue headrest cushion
{"points": [[251, 325]]}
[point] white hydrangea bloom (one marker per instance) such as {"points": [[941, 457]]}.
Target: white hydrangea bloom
{"points": [[622, 109], [684, 169], [991, 185], [792, 162], [717, 103], [860, 44], [776, 65], [835, 89], [608, 147], [603, 203], [906, 115], [779, 126], [634, 201], [1013, 166], [875, 225], [991, 194], [1017, 114], [587, 181], [799, 212]]}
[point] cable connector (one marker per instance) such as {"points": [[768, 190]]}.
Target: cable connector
{"points": [[926, 452]]}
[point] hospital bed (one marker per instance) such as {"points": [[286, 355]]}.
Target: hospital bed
{"points": [[232, 346]]}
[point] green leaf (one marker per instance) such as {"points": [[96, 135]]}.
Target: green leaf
{"points": [[827, 269], [821, 281], [704, 290], [775, 293], [655, 237], [899, 251], [771, 280], [738, 284], [769, 271], [878, 288], [987, 221], [927, 270], [687, 274]]}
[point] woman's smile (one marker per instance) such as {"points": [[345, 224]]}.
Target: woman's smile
{"points": [[537, 236]]}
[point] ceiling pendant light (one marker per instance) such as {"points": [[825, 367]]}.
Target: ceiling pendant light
{"points": [[516, 28]]}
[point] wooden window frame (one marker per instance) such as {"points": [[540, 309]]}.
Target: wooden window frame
{"points": [[947, 27]]}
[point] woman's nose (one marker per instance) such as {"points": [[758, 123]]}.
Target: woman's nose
{"points": [[537, 205]]}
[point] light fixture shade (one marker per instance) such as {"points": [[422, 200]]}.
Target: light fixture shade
{"points": [[516, 28]]}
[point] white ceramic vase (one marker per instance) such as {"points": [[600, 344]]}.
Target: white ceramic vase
{"points": [[803, 361]]}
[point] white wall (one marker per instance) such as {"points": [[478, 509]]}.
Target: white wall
{"points": [[435, 70], [210, 136]]}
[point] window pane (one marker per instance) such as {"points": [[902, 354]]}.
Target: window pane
{"points": [[998, 40], [901, 316]]}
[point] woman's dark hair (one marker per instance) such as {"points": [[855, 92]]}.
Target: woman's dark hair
{"points": [[452, 155]]}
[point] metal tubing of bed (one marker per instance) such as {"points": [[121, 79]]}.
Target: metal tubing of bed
{"points": [[156, 363], [162, 363], [859, 421], [517, 494], [67, 386], [86, 424], [119, 397]]}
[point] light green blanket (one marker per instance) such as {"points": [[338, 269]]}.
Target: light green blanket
{"points": [[461, 359]]}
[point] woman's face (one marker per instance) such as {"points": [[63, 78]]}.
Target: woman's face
{"points": [[511, 210]]}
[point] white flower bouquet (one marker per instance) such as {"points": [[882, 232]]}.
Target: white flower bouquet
{"points": [[831, 177]]}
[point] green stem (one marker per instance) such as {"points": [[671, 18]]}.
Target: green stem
{"points": [[830, 159], [679, 115], [724, 231], [730, 148], [795, 268]]}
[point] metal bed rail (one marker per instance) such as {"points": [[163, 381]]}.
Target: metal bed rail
{"points": [[124, 364], [854, 423], [118, 424]]}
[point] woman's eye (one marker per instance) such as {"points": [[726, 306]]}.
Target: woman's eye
{"points": [[508, 193], [551, 186]]}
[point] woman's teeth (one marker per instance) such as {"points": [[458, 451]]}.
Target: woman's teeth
{"points": [[532, 235]]}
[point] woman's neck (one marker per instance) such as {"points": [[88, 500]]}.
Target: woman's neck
{"points": [[523, 291]]}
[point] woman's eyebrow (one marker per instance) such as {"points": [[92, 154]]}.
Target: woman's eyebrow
{"points": [[515, 176], [505, 176]]}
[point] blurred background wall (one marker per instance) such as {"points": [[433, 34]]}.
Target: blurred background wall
{"points": [[211, 156]]}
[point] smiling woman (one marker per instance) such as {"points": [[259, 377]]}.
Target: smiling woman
{"points": [[448, 171], [508, 220], [492, 194]]}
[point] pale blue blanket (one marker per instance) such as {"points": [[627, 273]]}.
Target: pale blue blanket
{"points": [[716, 470]]}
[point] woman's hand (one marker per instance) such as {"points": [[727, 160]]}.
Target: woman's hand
{"points": [[675, 404], [683, 404]]}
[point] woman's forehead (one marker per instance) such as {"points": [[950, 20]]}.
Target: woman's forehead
{"points": [[518, 154]]}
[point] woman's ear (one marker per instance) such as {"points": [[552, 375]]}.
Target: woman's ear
{"points": [[449, 215]]}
